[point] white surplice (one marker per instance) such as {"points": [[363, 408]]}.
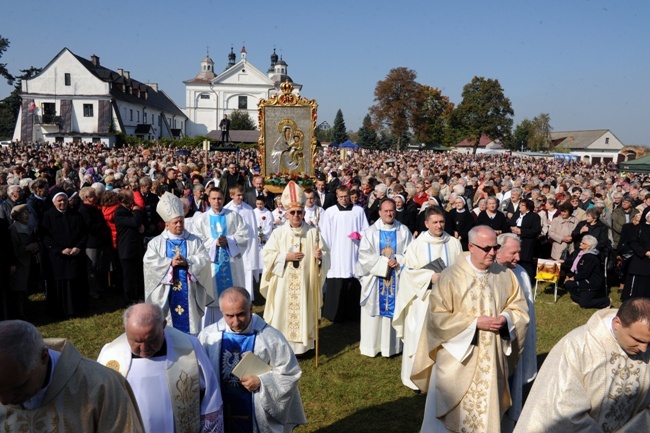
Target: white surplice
{"points": [[336, 227], [251, 253]]}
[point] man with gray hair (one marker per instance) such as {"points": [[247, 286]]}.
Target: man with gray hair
{"points": [[169, 371], [265, 400], [48, 383], [475, 334], [526, 370]]}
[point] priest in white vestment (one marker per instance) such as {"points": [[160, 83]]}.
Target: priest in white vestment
{"points": [[263, 228], [171, 376], [416, 281], [596, 378], [474, 335], [251, 254], [173, 270], [262, 402], [341, 227], [313, 212], [381, 260], [45, 385], [225, 237], [526, 369], [295, 266]]}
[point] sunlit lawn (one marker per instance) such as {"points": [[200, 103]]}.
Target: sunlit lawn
{"points": [[347, 392]]}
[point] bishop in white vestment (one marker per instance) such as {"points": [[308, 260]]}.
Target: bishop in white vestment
{"points": [[173, 270], [416, 282], [295, 265], [381, 260]]}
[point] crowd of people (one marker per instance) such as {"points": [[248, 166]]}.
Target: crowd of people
{"points": [[434, 254]]}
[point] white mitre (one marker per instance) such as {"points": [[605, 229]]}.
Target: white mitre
{"points": [[169, 207], [293, 197]]}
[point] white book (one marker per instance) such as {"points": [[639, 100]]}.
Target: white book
{"points": [[250, 365]]}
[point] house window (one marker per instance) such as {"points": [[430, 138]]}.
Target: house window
{"points": [[606, 140], [138, 115], [67, 79], [243, 102], [131, 115], [145, 117], [205, 96], [88, 110]]}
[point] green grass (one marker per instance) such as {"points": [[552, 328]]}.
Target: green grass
{"points": [[347, 392]]}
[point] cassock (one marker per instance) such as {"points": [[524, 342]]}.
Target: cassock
{"points": [[227, 265], [379, 286], [251, 253], [276, 406], [588, 383], [81, 396], [177, 390], [466, 370], [339, 227], [294, 294], [526, 369], [412, 302], [181, 291]]}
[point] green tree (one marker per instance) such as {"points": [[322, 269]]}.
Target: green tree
{"points": [[430, 115], [367, 134], [522, 135], [484, 110], [10, 106], [4, 44], [324, 135], [339, 133], [395, 102], [540, 139], [240, 120]]}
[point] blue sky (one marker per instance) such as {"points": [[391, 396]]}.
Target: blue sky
{"points": [[583, 62]]}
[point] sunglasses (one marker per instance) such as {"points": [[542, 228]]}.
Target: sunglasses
{"points": [[296, 212], [488, 249]]}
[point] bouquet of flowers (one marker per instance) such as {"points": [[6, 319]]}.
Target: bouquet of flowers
{"points": [[282, 179]]}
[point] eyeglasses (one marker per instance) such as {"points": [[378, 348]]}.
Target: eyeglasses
{"points": [[296, 212], [488, 249]]}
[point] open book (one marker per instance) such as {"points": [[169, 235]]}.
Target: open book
{"points": [[250, 365]]}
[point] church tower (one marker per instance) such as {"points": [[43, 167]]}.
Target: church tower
{"points": [[231, 58], [274, 61], [243, 53]]}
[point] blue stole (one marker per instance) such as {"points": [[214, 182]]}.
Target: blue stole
{"points": [[387, 286], [178, 295], [239, 414], [221, 265]]}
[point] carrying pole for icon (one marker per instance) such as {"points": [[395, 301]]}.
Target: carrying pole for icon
{"points": [[318, 291]]}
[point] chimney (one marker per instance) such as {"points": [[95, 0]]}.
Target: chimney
{"points": [[95, 60], [154, 86], [120, 71], [127, 74]]}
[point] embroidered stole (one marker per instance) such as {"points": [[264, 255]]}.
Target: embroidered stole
{"points": [[239, 413], [221, 266], [179, 293], [388, 285]]}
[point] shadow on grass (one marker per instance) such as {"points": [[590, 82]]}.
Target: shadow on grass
{"points": [[402, 415], [37, 312]]}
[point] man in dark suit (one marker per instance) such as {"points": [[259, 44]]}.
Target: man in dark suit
{"points": [[233, 177], [528, 226], [130, 246], [324, 199], [259, 191], [224, 127], [333, 183]]}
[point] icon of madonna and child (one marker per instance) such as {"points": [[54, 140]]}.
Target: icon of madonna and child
{"points": [[287, 154]]}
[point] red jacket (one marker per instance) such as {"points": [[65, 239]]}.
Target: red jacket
{"points": [[109, 213]]}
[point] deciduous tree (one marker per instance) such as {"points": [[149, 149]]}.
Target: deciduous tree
{"points": [[4, 44], [395, 102], [541, 136], [484, 110], [430, 115]]}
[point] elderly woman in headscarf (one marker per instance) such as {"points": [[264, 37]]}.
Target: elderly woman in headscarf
{"points": [[64, 237], [586, 277], [25, 246]]}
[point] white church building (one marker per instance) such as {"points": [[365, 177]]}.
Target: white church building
{"points": [[240, 86], [76, 99]]}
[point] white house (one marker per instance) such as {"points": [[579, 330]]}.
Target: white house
{"points": [[76, 99], [209, 95], [594, 146]]}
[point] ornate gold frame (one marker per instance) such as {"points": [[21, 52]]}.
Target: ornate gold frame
{"points": [[302, 115]]}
